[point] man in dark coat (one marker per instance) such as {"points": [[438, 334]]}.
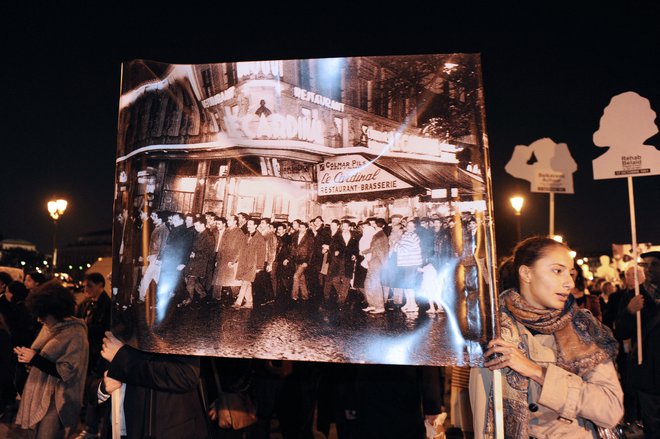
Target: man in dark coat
{"points": [[644, 379], [174, 257], [321, 239], [232, 242], [301, 252], [161, 398], [343, 253], [202, 256], [281, 273], [95, 311]]}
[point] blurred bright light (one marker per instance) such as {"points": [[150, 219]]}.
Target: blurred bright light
{"points": [[573, 254], [558, 238], [580, 262], [517, 203], [56, 208], [23, 263]]}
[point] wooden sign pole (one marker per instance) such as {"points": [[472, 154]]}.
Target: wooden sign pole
{"points": [[633, 229]]}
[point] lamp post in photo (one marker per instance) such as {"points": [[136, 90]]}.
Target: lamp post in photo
{"points": [[56, 209], [517, 204]]}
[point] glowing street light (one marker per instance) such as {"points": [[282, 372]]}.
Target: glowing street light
{"points": [[558, 238], [517, 204], [56, 209]]}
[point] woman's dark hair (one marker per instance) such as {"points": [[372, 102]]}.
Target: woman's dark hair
{"points": [[527, 252], [52, 299], [5, 278], [39, 278], [579, 277], [18, 291], [507, 278]]}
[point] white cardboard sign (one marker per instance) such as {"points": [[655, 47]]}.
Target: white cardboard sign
{"points": [[626, 123], [553, 170]]}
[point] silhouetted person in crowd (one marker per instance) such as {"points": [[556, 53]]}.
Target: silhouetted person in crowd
{"points": [[644, 377], [95, 311], [33, 279]]}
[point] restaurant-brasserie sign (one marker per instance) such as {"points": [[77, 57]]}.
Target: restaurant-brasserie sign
{"points": [[352, 174]]}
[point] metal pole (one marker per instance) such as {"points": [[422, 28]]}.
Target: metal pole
{"points": [[54, 245], [518, 228]]}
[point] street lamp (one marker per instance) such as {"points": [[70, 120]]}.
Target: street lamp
{"points": [[517, 204], [56, 209]]}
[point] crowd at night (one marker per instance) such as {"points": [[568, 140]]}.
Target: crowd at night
{"points": [[348, 223]]}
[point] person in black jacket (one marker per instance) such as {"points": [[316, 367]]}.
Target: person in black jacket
{"points": [[281, 272], [392, 401], [644, 379], [5, 279], [342, 257], [23, 327], [161, 396], [174, 257], [7, 391], [299, 256], [95, 311]]}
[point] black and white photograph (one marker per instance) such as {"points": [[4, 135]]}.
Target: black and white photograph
{"points": [[330, 209]]}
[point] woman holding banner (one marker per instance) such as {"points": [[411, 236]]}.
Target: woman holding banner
{"points": [[558, 378]]}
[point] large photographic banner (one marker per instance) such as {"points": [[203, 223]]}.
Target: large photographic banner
{"points": [[334, 210]]}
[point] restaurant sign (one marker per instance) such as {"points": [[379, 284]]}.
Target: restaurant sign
{"points": [[353, 174]]}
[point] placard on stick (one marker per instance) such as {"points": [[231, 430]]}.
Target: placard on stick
{"points": [[627, 122], [551, 172]]}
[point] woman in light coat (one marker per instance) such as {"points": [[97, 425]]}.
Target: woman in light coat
{"points": [[558, 377], [52, 396]]}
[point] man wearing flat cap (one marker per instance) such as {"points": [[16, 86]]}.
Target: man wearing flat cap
{"points": [[644, 378]]}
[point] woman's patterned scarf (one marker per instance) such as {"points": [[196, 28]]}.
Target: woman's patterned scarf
{"points": [[582, 343]]}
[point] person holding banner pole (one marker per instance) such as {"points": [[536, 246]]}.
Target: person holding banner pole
{"points": [[644, 378], [556, 360], [159, 393]]}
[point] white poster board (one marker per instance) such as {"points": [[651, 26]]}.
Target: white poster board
{"points": [[626, 123], [552, 172]]}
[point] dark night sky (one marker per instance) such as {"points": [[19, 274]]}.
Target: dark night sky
{"points": [[547, 73]]}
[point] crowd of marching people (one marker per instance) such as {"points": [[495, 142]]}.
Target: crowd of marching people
{"points": [[238, 259]]}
